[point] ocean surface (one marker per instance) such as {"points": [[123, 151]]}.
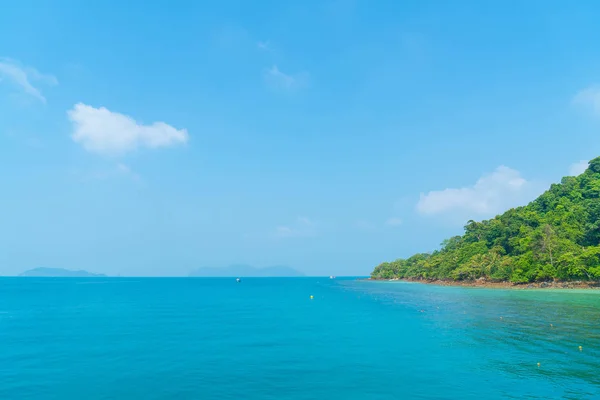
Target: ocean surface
{"points": [[267, 339]]}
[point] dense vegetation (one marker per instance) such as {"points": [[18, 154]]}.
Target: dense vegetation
{"points": [[554, 238]]}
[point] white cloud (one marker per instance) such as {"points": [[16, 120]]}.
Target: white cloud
{"points": [[394, 221], [301, 228], [21, 76], [578, 168], [281, 80], [589, 98], [103, 131], [491, 194]]}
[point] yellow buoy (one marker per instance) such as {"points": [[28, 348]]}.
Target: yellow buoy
{"points": [[551, 326], [580, 348], [538, 365], [311, 297]]}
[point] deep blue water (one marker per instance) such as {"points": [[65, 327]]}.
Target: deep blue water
{"points": [[266, 339]]}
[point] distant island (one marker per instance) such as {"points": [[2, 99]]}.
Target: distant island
{"points": [[246, 271], [59, 273], [555, 238]]}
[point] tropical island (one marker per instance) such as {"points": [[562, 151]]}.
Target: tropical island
{"points": [[59, 273], [555, 238]]}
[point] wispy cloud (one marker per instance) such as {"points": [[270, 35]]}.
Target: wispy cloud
{"points": [[491, 194], [578, 168], [281, 80], [341, 9], [394, 221], [114, 171], [302, 227], [264, 46], [231, 37], [11, 71], [102, 131], [364, 224], [34, 141], [127, 171], [31, 141], [414, 45], [589, 98]]}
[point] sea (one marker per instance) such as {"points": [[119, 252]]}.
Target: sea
{"points": [[267, 338]]}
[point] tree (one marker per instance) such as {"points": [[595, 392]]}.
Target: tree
{"points": [[545, 242], [556, 236]]}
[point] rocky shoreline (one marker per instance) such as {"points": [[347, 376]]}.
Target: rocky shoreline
{"points": [[483, 283]]}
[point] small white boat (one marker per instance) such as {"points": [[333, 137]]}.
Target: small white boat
{"points": [[238, 280], [331, 277]]}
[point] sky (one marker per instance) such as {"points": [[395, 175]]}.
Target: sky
{"points": [[152, 138]]}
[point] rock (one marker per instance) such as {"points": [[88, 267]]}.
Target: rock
{"points": [[530, 286], [544, 285]]}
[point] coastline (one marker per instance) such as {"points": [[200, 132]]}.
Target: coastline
{"points": [[482, 283]]}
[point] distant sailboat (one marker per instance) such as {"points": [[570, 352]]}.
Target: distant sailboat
{"points": [[331, 277]]}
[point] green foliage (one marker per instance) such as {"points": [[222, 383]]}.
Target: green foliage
{"points": [[555, 237]]}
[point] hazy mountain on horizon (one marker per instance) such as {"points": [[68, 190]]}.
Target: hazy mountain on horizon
{"points": [[59, 273], [241, 270]]}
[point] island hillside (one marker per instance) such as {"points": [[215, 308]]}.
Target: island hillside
{"points": [[59, 273], [556, 237]]}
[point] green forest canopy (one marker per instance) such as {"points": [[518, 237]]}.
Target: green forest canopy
{"points": [[555, 237]]}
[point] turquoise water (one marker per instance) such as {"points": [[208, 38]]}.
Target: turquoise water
{"points": [[266, 339]]}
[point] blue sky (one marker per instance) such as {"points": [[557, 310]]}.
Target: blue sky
{"points": [[152, 138]]}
